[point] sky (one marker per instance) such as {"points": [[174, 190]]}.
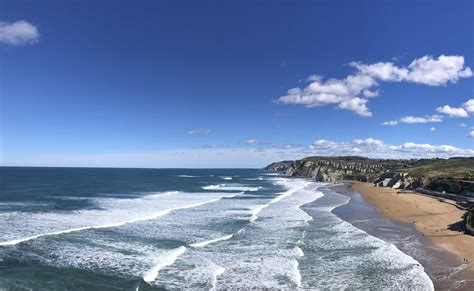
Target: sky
{"points": [[233, 83]]}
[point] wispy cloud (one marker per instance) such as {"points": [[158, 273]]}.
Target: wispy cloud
{"points": [[414, 119], [251, 142], [353, 92], [245, 156], [200, 132], [18, 33], [471, 134]]}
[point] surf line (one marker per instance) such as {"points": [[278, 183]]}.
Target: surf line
{"points": [[282, 195], [110, 225], [166, 260]]}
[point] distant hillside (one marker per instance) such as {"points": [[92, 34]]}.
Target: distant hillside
{"points": [[453, 175]]}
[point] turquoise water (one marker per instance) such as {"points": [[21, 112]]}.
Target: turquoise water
{"points": [[129, 229]]}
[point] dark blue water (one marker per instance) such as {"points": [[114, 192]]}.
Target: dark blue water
{"points": [[129, 229]]}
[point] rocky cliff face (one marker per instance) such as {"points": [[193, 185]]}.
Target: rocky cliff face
{"points": [[397, 174]]}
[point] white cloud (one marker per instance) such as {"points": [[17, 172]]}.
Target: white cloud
{"points": [[358, 105], [382, 71], [432, 128], [462, 124], [369, 141], [376, 148], [241, 157], [352, 92], [426, 119], [469, 105], [251, 142], [390, 123], [200, 132], [314, 78], [18, 33], [471, 134], [452, 111], [435, 72]]}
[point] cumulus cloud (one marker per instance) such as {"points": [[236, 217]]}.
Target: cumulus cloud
{"points": [[376, 148], [353, 92], [452, 111], [469, 105], [435, 72], [459, 112], [471, 134], [18, 33], [251, 142], [200, 132], [358, 105]]}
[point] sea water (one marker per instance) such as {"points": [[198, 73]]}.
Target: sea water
{"points": [[115, 229]]}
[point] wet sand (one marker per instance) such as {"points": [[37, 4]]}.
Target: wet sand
{"points": [[420, 226]]}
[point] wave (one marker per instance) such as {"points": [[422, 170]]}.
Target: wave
{"points": [[135, 219], [187, 176], [255, 179], [383, 251], [207, 242], [231, 187], [296, 273], [219, 271], [225, 178], [164, 261], [289, 192]]}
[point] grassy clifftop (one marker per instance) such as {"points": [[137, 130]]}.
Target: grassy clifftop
{"points": [[454, 167]]}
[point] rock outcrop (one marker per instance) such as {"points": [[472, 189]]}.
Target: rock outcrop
{"points": [[451, 176]]}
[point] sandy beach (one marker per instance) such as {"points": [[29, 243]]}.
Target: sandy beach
{"points": [[433, 218]]}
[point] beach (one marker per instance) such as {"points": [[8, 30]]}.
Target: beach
{"points": [[436, 220]]}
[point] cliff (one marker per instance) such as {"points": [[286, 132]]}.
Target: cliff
{"points": [[455, 175]]}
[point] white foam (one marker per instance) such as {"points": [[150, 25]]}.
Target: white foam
{"points": [[163, 261], [187, 176], [118, 212], [207, 242], [384, 253], [255, 179], [296, 273], [293, 188], [299, 251], [218, 272], [226, 178], [231, 187]]}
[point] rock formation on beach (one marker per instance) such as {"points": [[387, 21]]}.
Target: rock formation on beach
{"points": [[454, 175]]}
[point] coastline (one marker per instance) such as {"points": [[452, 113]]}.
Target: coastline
{"points": [[436, 221]]}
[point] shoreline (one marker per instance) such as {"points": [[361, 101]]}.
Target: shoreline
{"points": [[435, 220]]}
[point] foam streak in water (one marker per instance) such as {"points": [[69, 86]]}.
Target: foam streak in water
{"points": [[164, 261], [219, 271], [109, 225], [207, 242], [282, 195]]}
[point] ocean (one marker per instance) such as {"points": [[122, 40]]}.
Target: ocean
{"points": [[146, 229]]}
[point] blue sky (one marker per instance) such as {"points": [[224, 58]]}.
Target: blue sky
{"points": [[205, 83]]}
